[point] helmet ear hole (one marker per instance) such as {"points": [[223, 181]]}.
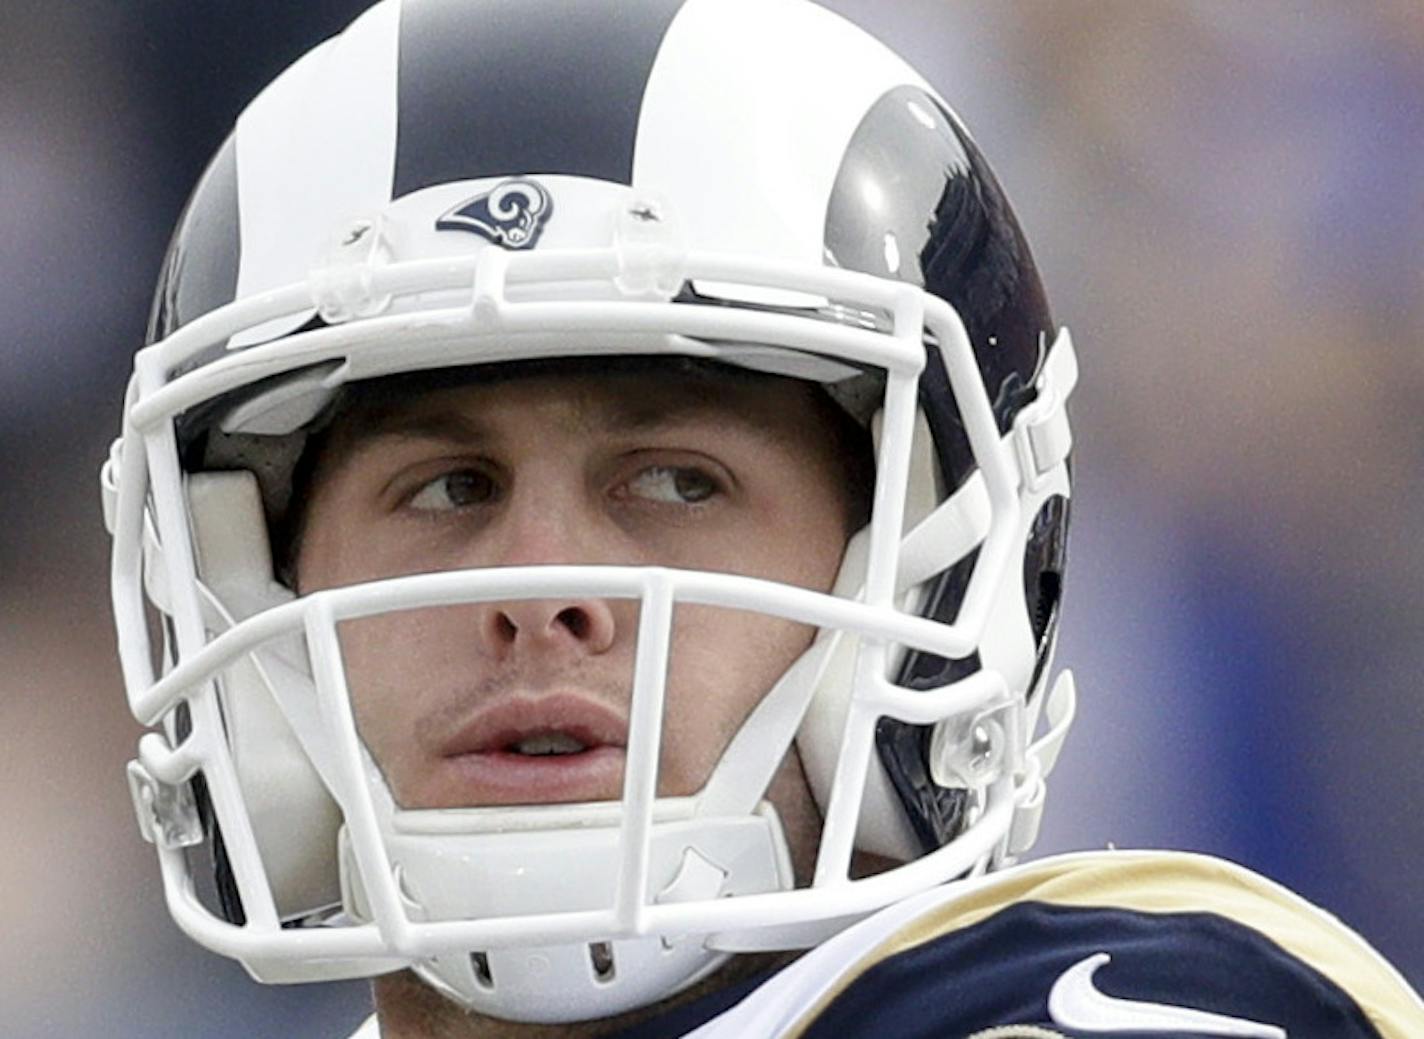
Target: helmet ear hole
{"points": [[1045, 555], [1045, 605], [936, 813]]}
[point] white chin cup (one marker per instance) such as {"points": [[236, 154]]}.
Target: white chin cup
{"points": [[517, 875]]}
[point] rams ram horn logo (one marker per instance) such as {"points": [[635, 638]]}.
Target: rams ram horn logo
{"points": [[512, 215]]}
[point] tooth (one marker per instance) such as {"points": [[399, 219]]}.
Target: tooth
{"points": [[549, 744]]}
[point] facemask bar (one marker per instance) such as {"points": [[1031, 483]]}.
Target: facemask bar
{"points": [[657, 590], [495, 323]]}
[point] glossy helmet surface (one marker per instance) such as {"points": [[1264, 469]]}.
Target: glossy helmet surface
{"points": [[455, 183]]}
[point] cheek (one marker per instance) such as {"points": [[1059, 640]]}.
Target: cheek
{"points": [[396, 664], [807, 543], [337, 562], [325, 556], [723, 663], [348, 540]]}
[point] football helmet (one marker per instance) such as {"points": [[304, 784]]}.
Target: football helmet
{"points": [[457, 183]]}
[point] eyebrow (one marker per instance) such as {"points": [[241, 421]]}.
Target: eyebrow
{"points": [[454, 425], [450, 425]]}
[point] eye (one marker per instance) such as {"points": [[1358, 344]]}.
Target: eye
{"points": [[673, 485], [461, 489]]}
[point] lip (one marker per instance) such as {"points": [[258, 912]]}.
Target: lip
{"points": [[477, 767]]}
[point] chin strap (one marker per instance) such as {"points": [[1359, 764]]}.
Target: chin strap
{"points": [[1039, 760]]}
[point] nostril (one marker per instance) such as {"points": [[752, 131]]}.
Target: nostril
{"points": [[585, 625], [575, 620], [505, 628]]}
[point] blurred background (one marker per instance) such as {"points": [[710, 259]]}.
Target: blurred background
{"points": [[1227, 200]]}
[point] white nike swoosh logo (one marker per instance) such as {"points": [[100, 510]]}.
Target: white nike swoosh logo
{"points": [[1075, 1002]]}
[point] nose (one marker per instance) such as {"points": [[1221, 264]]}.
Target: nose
{"points": [[577, 627], [546, 521]]}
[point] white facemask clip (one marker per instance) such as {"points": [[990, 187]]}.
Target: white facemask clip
{"points": [[1031, 787]]}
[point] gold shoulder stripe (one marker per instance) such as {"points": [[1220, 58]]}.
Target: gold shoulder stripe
{"points": [[1168, 882]]}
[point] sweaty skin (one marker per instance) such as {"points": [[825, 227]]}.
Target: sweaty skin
{"points": [[461, 706]]}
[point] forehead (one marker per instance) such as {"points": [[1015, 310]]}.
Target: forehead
{"points": [[582, 403]]}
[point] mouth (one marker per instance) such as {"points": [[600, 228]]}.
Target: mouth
{"points": [[534, 750], [547, 745]]}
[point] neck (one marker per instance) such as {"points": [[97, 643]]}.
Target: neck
{"points": [[410, 1009]]}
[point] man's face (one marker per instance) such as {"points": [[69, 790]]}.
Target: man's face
{"points": [[527, 702]]}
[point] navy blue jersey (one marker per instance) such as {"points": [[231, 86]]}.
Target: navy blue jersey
{"points": [[1131, 945], [1134, 945]]}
